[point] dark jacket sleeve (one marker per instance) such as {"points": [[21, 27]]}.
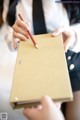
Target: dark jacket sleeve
{"points": [[11, 16], [73, 10]]}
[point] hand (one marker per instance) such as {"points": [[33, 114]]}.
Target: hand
{"points": [[20, 32], [69, 36], [48, 110]]}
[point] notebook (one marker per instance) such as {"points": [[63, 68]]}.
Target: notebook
{"points": [[40, 72]]}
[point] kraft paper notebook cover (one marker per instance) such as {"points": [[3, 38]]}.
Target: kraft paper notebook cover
{"points": [[41, 71]]}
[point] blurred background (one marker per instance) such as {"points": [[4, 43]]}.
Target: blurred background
{"points": [[7, 64]]}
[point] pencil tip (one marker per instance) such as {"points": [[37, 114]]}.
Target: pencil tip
{"points": [[37, 46]]}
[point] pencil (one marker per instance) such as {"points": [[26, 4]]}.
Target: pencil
{"points": [[29, 33]]}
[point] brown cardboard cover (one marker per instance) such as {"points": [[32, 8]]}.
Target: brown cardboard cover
{"points": [[40, 72]]}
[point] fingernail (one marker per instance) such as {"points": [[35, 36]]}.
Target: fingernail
{"points": [[54, 33], [40, 107]]}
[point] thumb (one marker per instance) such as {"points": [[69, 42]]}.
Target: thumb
{"points": [[31, 113], [58, 31], [51, 110], [47, 102]]}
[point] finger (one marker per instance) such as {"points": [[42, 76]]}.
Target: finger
{"points": [[30, 112], [21, 31], [58, 31], [39, 107], [20, 36], [67, 44], [15, 40], [17, 37], [46, 101], [58, 104], [22, 24]]}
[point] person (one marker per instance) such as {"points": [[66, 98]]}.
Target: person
{"points": [[57, 17], [48, 110]]}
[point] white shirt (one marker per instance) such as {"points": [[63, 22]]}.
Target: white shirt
{"points": [[55, 16], [51, 9]]}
